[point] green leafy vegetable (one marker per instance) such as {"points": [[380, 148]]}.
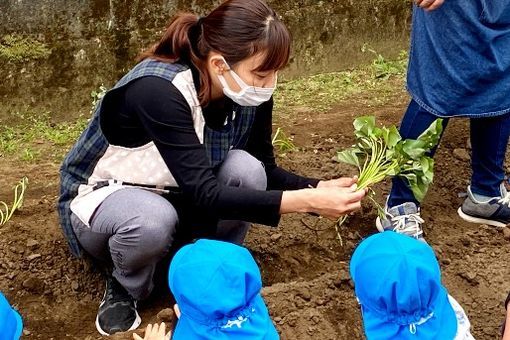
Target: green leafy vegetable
{"points": [[381, 152]]}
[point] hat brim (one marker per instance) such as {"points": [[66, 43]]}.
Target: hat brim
{"points": [[19, 325], [258, 326], [442, 325]]}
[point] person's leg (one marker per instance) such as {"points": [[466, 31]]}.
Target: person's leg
{"points": [[489, 140], [240, 169], [415, 121], [487, 201], [133, 228], [402, 211]]}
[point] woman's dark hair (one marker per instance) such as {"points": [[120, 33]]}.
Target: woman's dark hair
{"points": [[237, 29]]}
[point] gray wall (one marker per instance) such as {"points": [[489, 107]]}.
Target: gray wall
{"points": [[93, 42]]}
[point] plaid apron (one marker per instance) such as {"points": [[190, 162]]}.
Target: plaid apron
{"points": [[79, 163]]}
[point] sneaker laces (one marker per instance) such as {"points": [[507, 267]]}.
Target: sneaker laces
{"points": [[401, 224], [115, 292], [505, 199]]}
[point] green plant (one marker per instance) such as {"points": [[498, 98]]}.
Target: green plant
{"points": [[383, 68], [29, 154], [283, 142], [34, 132], [19, 193], [381, 152], [97, 95], [16, 48]]}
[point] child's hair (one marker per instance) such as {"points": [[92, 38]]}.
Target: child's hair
{"points": [[237, 29]]}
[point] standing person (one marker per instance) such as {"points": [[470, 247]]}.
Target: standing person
{"points": [[459, 66], [181, 149]]}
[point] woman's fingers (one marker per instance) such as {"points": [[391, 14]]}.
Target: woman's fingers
{"points": [[356, 196], [346, 181], [353, 206], [435, 5], [429, 5]]}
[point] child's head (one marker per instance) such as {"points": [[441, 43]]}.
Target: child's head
{"points": [[10, 321], [398, 285], [217, 288]]}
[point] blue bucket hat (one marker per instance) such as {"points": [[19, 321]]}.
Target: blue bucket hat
{"points": [[10, 321], [217, 287], [397, 282]]}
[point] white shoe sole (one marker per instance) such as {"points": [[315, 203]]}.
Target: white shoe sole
{"points": [[479, 220], [135, 325]]}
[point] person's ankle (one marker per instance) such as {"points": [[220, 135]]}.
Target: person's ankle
{"points": [[482, 198]]}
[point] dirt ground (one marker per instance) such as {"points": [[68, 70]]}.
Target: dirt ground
{"points": [[304, 266]]}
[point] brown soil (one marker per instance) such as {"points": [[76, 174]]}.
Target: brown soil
{"points": [[305, 271]]}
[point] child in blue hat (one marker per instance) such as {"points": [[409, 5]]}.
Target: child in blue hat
{"points": [[10, 321], [398, 285], [217, 289]]}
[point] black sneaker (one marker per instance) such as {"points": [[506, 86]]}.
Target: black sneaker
{"points": [[117, 312]]}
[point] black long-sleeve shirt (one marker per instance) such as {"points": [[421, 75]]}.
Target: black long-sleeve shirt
{"points": [[153, 109]]}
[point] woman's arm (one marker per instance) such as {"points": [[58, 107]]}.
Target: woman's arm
{"points": [[166, 118], [331, 202]]}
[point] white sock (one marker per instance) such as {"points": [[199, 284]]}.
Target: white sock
{"points": [[482, 198]]}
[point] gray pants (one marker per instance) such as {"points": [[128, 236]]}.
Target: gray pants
{"points": [[135, 228]]}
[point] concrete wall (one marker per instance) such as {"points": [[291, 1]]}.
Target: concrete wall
{"points": [[93, 42]]}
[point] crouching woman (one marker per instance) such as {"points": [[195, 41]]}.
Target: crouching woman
{"points": [[180, 148]]}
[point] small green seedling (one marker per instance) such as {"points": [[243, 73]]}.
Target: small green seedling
{"points": [[283, 142], [19, 193], [381, 152]]}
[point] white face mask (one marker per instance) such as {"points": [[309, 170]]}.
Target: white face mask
{"points": [[249, 95]]}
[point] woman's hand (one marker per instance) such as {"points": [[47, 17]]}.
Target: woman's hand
{"points": [[334, 202], [154, 333], [328, 201], [429, 5], [343, 182]]}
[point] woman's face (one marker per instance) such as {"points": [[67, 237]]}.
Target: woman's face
{"points": [[245, 69]]}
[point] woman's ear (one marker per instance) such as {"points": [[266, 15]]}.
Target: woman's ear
{"points": [[217, 63]]}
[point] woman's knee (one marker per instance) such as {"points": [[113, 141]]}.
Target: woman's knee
{"points": [[149, 235], [159, 228], [243, 170]]}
